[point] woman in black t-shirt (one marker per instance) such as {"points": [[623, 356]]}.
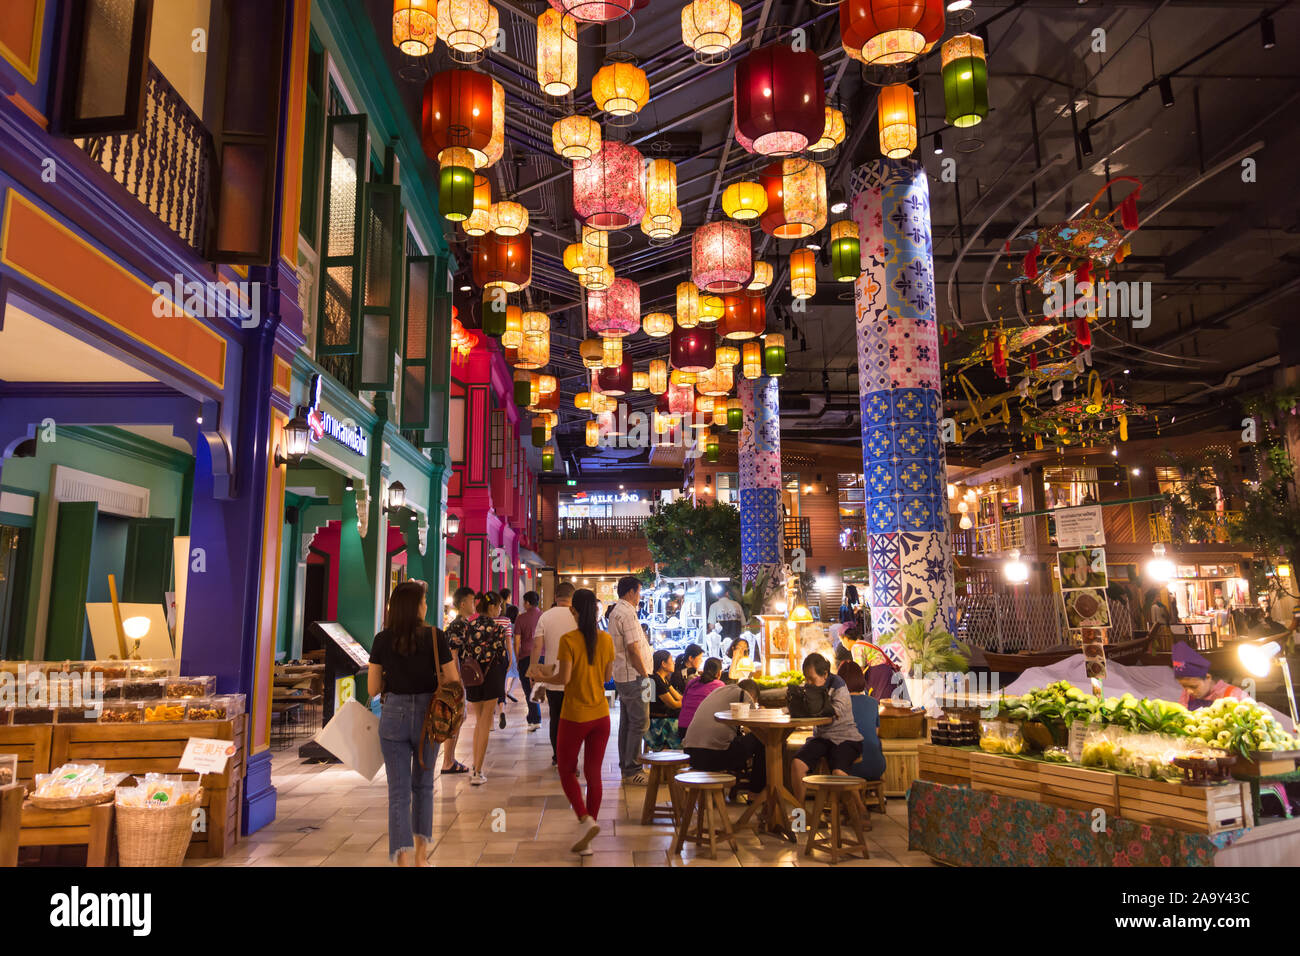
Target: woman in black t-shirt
{"points": [[665, 704], [407, 660]]}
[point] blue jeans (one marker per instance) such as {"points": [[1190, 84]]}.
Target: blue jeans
{"points": [[633, 719], [410, 788]]}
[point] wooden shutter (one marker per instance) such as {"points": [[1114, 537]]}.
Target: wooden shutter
{"points": [[243, 103], [313, 145], [418, 346], [100, 80], [74, 542], [342, 248], [147, 576], [384, 270]]}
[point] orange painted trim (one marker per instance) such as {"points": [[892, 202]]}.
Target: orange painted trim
{"points": [[32, 112], [38, 246], [282, 376], [294, 131], [29, 63], [268, 600]]}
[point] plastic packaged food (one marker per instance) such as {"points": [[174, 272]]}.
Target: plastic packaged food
{"points": [[122, 712], [143, 689], [159, 790], [30, 715], [75, 780], [182, 687], [161, 667], [87, 713], [163, 711], [112, 670], [8, 769], [205, 708]]}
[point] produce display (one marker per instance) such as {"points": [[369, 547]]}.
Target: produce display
{"points": [[1241, 726], [784, 679], [1001, 737], [160, 791], [74, 780], [164, 711], [122, 712]]}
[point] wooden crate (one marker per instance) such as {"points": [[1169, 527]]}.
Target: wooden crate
{"points": [[1009, 776], [91, 827], [31, 742], [1183, 806], [943, 764], [1266, 764], [1077, 788]]}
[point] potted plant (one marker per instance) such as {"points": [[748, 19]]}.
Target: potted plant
{"points": [[931, 652]]}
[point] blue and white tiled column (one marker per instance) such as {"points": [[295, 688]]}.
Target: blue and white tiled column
{"points": [[760, 477], [908, 551]]}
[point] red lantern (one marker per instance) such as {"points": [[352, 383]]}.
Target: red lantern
{"points": [[780, 99], [616, 380], [889, 32], [693, 350], [681, 399], [722, 259], [745, 316], [609, 191], [616, 311], [504, 262], [458, 112]]}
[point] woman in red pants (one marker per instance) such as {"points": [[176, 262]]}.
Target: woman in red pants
{"points": [[584, 664]]}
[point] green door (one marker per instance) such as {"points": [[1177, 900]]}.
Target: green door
{"points": [[147, 575], [74, 539]]}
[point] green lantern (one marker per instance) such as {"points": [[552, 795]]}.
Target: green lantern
{"points": [[523, 389], [711, 451], [494, 313], [965, 81], [548, 459], [774, 354], [456, 192], [539, 434], [735, 415], [846, 259]]}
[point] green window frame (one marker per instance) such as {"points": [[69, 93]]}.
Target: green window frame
{"points": [[313, 144], [384, 266], [342, 236]]}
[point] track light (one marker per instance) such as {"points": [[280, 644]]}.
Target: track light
{"points": [[839, 202], [1166, 91], [938, 145], [1085, 142], [955, 5], [1266, 34]]}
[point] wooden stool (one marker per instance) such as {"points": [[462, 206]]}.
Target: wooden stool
{"points": [[705, 791], [875, 791], [662, 767], [839, 795]]}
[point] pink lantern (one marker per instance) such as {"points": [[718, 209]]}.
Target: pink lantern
{"points": [[681, 399], [616, 311], [609, 192], [721, 257], [594, 11]]}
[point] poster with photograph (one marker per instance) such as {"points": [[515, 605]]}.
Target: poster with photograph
{"points": [[1093, 640], [1086, 607], [1083, 568]]}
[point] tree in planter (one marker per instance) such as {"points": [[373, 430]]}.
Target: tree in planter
{"points": [[694, 540]]}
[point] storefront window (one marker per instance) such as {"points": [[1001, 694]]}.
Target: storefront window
{"points": [[853, 511], [1070, 487], [498, 438]]}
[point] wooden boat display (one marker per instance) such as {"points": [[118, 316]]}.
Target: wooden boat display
{"points": [[1124, 652]]}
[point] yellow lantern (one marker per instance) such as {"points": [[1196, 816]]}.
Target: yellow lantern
{"points": [[557, 53], [582, 401], [468, 27], [832, 135], [576, 138], [661, 231], [508, 218], [727, 355], [513, 336], [479, 222], [711, 28], [597, 278], [720, 412], [704, 405], [612, 353], [803, 274], [546, 384], [716, 381], [660, 190], [688, 305], [896, 115], [573, 260], [415, 28], [534, 351], [712, 308], [752, 360], [762, 276], [536, 323], [662, 423], [658, 377], [803, 198], [744, 201], [595, 247], [620, 89], [459, 156], [680, 378], [640, 381], [593, 434], [657, 324], [592, 352]]}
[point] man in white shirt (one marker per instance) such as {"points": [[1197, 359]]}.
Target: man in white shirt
{"points": [[551, 626], [729, 617], [632, 663]]}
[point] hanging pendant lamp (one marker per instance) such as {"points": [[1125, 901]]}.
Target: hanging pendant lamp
{"points": [[889, 32], [620, 89], [846, 251], [608, 192], [896, 117], [616, 312], [721, 257], [459, 110], [803, 273], [576, 138], [711, 28], [504, 262], [780, 99], [660, 190], [796, 198], [415, 27], [557, 54], [763, 276], [965, 81], [745, 316], [468, 27], [693, 349], [479, 222]]}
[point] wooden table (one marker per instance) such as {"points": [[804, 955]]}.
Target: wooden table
{"points": [[772, 728]]}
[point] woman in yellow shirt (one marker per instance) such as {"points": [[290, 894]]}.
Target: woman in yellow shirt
{"points": [[583, 665]]}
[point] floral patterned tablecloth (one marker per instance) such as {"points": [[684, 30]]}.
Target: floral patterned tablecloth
{"points": [[966, 827]]}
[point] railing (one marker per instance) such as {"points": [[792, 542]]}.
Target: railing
{"points": [[963, 541], [166, 164], [797, 535], [1016, 622], [996, 538], [1200, 527], [591, 529]]}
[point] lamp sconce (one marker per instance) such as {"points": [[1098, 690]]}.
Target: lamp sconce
{"points": [[295, 439], [396, 496], [451, 527]]}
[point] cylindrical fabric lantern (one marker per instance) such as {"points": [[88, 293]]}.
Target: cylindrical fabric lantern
{"points": [[846, 251], [557, 54], [594, 11], [688, 305], [547, 384], [715, 381], [539, 431], [728, 355], [803, 274], [576, 138], [796, 198], [657, 324], [735, 415], [573, 260], [711, 309], [611, 352], [523, 388], [681, 399], [534, 351], [662, 230], [720, 412], [658, 377], [608, 192], [504, 262], [712, 451], [513, 336], [965, 80], [494, 313], [593, 434], [468, 27], [660, 190], [597, 278], [640, 381], [615, 312], [595, 248], [459, 110], [887, 32], [548, 459], [508, 218], [536, 323], [693, 350], [592, 352], [479, 222], [711, 28], [617, 380], [763, 275], [774, 354], [896, 116], [548, 402], [620, 89], [745, 316], [752, 363], [456, 192], [722, 259], [678, 377], [832, 133], [780, 99], [744, 201], [415, 28]]}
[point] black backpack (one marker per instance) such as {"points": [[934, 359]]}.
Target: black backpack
{"points": [[805, 700]]}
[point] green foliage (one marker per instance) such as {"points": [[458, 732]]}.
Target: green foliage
{"points": [[694, 540], [755, 597], [932, 651]]}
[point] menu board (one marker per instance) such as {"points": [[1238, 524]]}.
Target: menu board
{"points": [[1087, 611], [346, 642], [1079, 527]]}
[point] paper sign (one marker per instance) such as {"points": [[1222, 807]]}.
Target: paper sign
{"points": [[1078, 730], [345, 689], [1079, 527], [205, 755]]}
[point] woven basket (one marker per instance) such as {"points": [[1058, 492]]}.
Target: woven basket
{"points": [[154, 836], [71, 803]]}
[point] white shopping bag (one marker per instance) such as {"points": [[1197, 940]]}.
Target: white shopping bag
{"points": [[352, 735]]}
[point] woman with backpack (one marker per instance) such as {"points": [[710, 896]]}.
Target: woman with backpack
{"points": [[483, 658], [408, 659]]}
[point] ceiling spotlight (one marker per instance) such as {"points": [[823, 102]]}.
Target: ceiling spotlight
{"points": [[1166, 91], [1266, 34], [467, 288], [938, 145], [1085, 142], [1136, 471], [955, 5], [815, 246], [1125, 371], [839, 203]]}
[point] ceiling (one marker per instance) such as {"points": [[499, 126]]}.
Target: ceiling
{"points": [[1222, 255], [35, 351]]}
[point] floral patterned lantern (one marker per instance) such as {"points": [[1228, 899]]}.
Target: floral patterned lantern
{"points": [[715, 381], [721, 257], [662, 231], [479, 222], [620, 89], [576, 138], [720, 413], [693, 350], [711, 309], [728, 355], [688, 305], [468, 27], [611, 352], [592, 434], [745, 316], [513, 336], [796, 198], [557, 54], [593, 11], [681, 399], [657, 324], [615, 312], [660, 191], [415, 28], [508, 218], [780, 99], [832, 134], [711, 28], [597, 278], [753, 361], [658, 377], [608, 193], [763, 276]]}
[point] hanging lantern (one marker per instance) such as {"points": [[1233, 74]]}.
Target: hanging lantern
{"points": [[545, 402], [576, 138], [508, 218], [608, 192], [803, 274], [582, 401], [640, 381], [715, 381], [592, 352], [479, 222], [832, 133], [616, 312], [595, 247], [657, 324], [663, 230], [796, 198], [468, 27], [557, 54], [678, 377], [547, 384], [965, 81], [728, 355], [744, 201], [459, 110], [662, 423], [752, 363], [704, 407], [513, 336], [711, 28], [745, 316], [618, 379], [573, 259], [597, 278], [886, 32], [535, 351], [846, 251], [692, 349], [681, 400], [735, 414], [762, 276], [539, 431], [780, 99], [660, 190], [504, 262], [720, 412], [593, 434], [415, 28], [497, 142], [688, 305], [593, 11], [548, 459], [494, 313], [536, 323], [711, 309], [620, 89], [896, 116], [722, 259], [611, 352], [774, 354], [658, 377], [456, 192], [523, 388]]}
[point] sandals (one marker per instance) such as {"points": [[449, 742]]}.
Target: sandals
{"points": [[456, 767]]}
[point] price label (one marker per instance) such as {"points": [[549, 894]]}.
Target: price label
{"points": [[1078, 731], [205, 755]]}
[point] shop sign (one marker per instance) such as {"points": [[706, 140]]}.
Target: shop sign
{"points": [[204, 755], [1079, 527], [322, 423], [610, 498]]}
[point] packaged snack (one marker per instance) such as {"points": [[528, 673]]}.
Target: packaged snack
{"points": [[87, 713], [31, 715], [183, 687], [992, 733], [1100, 748], [164, 710], [122, 712], [151, 669], [74, 780], [143, 688], [159, 790], [234, 704], [205, 708], [111, 670]]}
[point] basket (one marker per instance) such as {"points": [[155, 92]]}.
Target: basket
{"points": [[155, 836], [71, 803]]}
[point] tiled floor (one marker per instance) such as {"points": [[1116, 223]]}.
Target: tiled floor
{"points": [[329, 816]]}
